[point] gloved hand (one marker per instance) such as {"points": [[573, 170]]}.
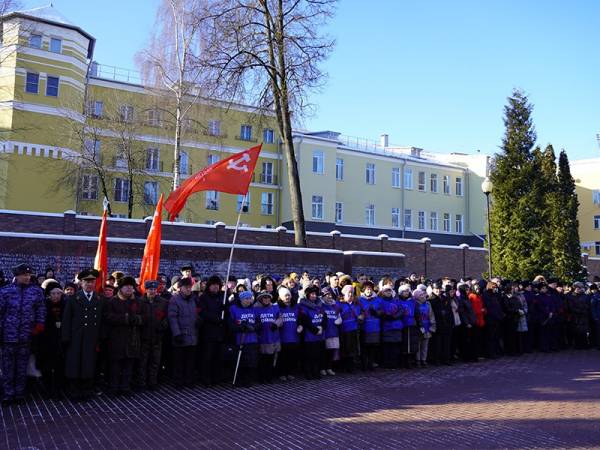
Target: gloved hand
{"points": [[319, 331], [57, 324], [422, 330], [338, 320], [179, 339], [299, 329]]}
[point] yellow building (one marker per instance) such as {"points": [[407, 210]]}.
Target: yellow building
{"points": [[585, 173], [74, 130]]}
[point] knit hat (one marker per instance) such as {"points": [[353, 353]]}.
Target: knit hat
{"points": [[422, 287], [264, 294], [311, 289], [327, 291], [51, 286], [214, 279], [403, 288], [283, 291], [347, 288], [126, 281], [245, 295]]}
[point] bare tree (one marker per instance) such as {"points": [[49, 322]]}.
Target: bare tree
{"points": [[171, 64], [268, 52]]}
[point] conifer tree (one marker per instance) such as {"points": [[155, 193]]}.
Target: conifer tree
{"points": [[566, 247], [514, 220]]}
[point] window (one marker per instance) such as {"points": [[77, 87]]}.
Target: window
{"points": [[153, 117], [433, 221], [214, 127], [446, 223], [32, 82], [318, 162], [266, 203], [246, 132], [421, 217], [184, 168], [396, 177], [597, 248], [339, 212], [96, 109], [35, 41], [89, 187], [433, 185], [446, 184], [240, 199], [51, 86], [187, 125], [150, 192], [596, 196], [121, 158], [396, 217], [212, 159], [92, 149], [408, 178], [458, 223], [458, 186], [126, 113], [596, 222], [268, 136], [421, 186], [212, 200], [121, 190], [339, 169], [152, 159], [55, 45], [408, 218], [370, 214], [317, 207], [370, 173], [267, 173]]}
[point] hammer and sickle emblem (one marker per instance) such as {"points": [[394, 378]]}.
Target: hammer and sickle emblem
{"points": [[236, 164]]}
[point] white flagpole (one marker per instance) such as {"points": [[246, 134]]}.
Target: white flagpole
{"points": [[237, 225]]}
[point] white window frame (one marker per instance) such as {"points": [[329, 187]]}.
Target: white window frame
{"points": [[458, 223], [212, 159], [370, 214], [370, 173], [268, 135], [596, 196], [214, 127], [408, 218], [458, 186], [126, 113], [266, 176], [54, 40], [184, 163], [446, 223], [395, 177], [89, 187], [150, 192], [48, 77], [421, 220], [240, 198], [122, 187], [246, 132], [422, 186], [433, 221], [396, 217], [97, 110], [318, 162], [27, 83], [153, 159], [339, 169], [596, 222], [339, 212], [92, 148], [317, 207], [266, 203], [408, 179], [32, 41], [446, 184], [212, 200], [154, 119], [433, 183]]}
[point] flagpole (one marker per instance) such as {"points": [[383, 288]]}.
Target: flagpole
{"points": [[237, 225]]}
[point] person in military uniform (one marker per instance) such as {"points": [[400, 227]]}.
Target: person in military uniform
{"points": [[22, 315], [155, 323], [80, 327], [122, 315]]}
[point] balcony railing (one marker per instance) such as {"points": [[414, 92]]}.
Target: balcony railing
{"points": [[115, 73], [267, 178]]}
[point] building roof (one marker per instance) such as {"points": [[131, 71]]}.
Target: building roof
{"points": [[50, 15]]}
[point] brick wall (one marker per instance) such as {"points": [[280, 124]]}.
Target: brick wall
{"points": [[73, 246]]}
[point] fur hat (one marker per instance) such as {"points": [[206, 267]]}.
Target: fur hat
{"points": [[214, 279], [283, 291], [311, 289], [126, 281]]}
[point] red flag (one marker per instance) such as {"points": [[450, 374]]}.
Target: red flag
{"points": [[151, 259], [101, 260], [231, 175]]}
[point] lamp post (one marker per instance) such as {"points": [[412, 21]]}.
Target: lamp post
{"points": [[487, 186]]}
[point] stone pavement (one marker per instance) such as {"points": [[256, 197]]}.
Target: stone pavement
{"points": [[534, 401]]}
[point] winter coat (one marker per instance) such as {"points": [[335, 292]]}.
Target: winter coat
{"points": [[268, 319], [595, 305], [466, 312], [80, 328], [123, 320], [372, 308], [426, 319], [444, 317], [154, 318], [332, 313], [212, 319], [242, 323], [350, 313], [545, 305], [51, 351], [511, 304], [311, 315], [392, 313], [579, 307], [183, 320], [477, 305], [491, 302], [409, 312], [22, 307]]}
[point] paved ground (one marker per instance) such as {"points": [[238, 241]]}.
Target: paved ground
{"points": [[535, 401]]}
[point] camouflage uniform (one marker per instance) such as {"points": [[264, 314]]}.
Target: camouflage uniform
{"points": [[22, 309]]}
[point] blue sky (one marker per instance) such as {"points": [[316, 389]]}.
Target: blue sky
{"points": [[433, 74]]}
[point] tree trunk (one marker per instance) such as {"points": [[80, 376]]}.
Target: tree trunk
{"points": [[177, 149]]}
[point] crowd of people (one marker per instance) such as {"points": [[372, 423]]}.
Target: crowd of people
{"points": [[85, 338]]}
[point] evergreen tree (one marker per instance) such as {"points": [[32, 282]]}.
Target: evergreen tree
{"points": [[514, 217], [565, 246]]}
